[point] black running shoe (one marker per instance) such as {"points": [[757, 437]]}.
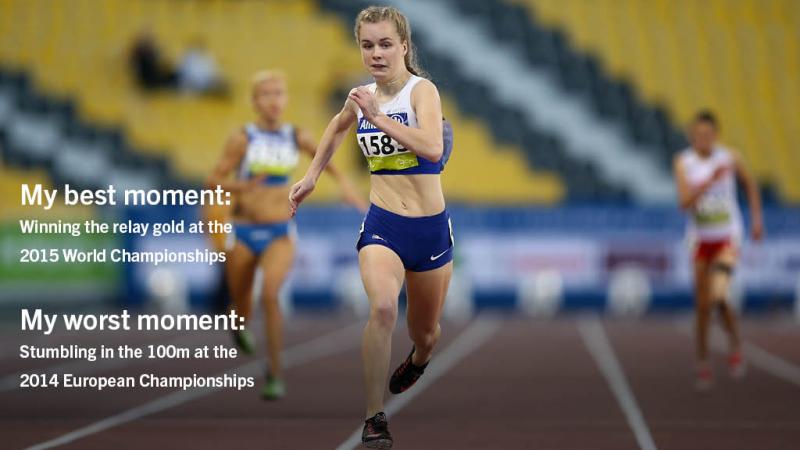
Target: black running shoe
{"points": [[405, 375], [376, 432]]}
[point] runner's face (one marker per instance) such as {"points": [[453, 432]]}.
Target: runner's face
{"points": [[703, 136], [382, 51], [270, 98]]}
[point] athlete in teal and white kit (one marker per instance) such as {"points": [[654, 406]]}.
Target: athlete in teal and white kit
{"points": [[262, 155]]}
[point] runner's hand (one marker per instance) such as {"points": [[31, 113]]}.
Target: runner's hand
{"points": [[366, 101], [299, 192]]}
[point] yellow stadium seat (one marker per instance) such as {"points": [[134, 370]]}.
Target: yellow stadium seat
{"points": [[80, 48], [738, 57]]}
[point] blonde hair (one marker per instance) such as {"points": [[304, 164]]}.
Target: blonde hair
{"points": [[375, 14], [267, 75]]}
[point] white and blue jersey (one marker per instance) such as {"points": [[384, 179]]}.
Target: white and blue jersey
{"points": [[273, 154], [385, 155]]}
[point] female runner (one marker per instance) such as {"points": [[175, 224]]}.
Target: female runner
{"points": [[406, 234], [706, 179], [263, 154]]}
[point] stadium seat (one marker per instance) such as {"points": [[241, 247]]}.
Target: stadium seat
{"points": [[79, 51], [737, 57]]}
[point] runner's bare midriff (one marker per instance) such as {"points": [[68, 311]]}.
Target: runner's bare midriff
{"points": [[264, 204], [408, 195]]}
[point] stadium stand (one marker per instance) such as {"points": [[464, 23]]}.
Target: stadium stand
{"points": [[83, 57], [739, 58]]}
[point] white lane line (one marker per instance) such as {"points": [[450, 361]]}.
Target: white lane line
{"points": [[770, 363], [337, 341], [11, 382], [755, 355], [596, 341], [478, 332]]}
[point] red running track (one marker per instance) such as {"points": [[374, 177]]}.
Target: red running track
{"points": [[500, 382]]}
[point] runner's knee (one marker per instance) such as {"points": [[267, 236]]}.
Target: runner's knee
{"points": [[384, 313]]}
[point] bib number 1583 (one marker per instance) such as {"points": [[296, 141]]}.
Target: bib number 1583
{"points": [[380, 144]]}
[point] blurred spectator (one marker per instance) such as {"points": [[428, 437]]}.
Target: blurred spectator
{"points": [[148, 68], [198, 72]]}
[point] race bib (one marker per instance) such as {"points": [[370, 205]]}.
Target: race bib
{"points": [[712, 210], [383, 152], [264, 159]]}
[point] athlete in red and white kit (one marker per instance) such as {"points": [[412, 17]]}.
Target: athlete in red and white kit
{"points": [[706, 174]]}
